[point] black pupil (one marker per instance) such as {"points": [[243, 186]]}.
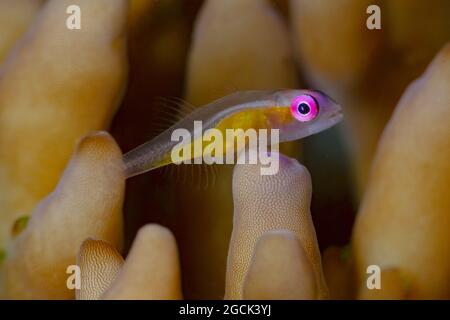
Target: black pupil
{"points": [[303, 108]]}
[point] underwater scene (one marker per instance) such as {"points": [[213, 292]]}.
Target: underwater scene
{"points": [[224, 149]]}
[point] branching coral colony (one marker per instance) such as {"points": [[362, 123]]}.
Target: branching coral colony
{"points": [[74, 198]]}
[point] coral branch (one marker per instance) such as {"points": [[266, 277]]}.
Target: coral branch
{"points": [[279, 269], [404, 218], [99, 263], [267, 203], [86, 203], [15, 17], [59, 85], [151, 270]]}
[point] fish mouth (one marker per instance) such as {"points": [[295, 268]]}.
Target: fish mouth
{"points": [[336, 116], [329, 121], [333, 118]]}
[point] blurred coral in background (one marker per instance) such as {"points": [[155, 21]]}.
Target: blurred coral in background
{"points": [[72, 101]]}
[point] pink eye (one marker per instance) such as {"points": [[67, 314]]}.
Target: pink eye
{"points": [[304, 108]]}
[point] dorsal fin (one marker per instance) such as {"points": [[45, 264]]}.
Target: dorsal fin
{"points": [[169, 111]]}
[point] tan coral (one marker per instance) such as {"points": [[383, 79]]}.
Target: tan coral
{"points": [[86, 203], [236, 45], [151, 270], [404, 219], [418, 41], [99, 263], [244, 26], [59, 85], [15, 17], [320, 26], [279, 269], [264, 203]]}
